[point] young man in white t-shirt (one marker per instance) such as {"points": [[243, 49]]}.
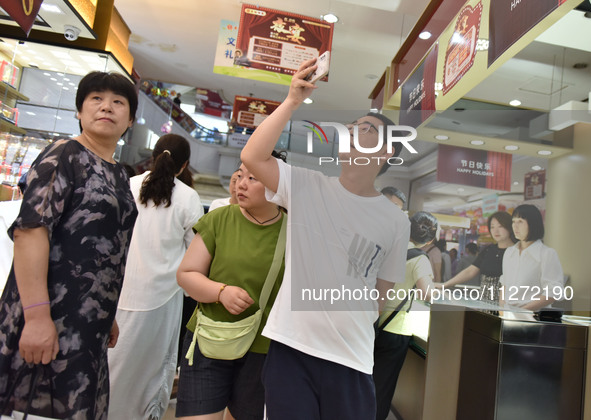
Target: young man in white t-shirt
{"points": [[345, 243]]}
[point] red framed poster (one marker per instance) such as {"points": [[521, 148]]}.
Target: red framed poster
{"points": [[278, 41], [461, 50], [250, 112], [534, 184]]}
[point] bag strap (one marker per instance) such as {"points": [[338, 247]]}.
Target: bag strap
{"points": [[410, 254], [275, 265], [32, 387]]}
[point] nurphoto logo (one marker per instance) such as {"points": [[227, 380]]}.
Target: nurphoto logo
{"points": [[394, 134]]}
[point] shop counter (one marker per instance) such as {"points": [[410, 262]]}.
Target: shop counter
{"points": [[475, 360]]}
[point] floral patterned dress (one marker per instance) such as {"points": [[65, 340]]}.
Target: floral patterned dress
{"points": [[87, 207]]}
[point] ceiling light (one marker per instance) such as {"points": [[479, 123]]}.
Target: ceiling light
{"points": [[460, 189], [31, 113], [51, 8], [511, 147], [515, 182], [441, 137], [544, 152], [371, 76], [477, 142], [425, 35], [47, 74], [537, 168], [65, 88], [53, 79], [330, 18], [66, 79], [515, 102], [59, 84], [308, 101]]}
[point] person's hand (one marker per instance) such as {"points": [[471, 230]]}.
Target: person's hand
{"points": [[300, 89], [439, 285], [39, 342], [113, 335], [235, 299]]}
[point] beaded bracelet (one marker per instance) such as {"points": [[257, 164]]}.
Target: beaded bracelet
{"points": [[220, 292], [35, 304]]}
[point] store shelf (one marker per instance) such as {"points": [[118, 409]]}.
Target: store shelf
{"points": [[9, 127], [10, 92]]}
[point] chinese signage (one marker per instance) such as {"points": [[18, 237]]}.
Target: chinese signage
{"points": [[476, 168], [509, 20], [534, 185], [461, 49], [278, 42], [23, 12], [238, 140], [490, 205], [250, 112], [225, 50], [418, 92], [210, 102]]}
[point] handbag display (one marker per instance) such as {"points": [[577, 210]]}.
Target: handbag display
{"points": [[231, 340], [17, 415]]}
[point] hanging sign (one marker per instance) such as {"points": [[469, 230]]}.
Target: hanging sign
{"points": [[277, 41], [250, 112], [476, 168], [24, 12], [418, 92]]}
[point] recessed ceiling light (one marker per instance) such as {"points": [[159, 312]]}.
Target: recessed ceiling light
{"points": [[511, 147], [330, 18], [515, 182], [308, 101], [477, 142], [52, 8], [441, 137], [515, 102], [66, 79], [31, 113], [59, 84], [544, 152], [47, 74], [371, 76], [53, 79], [425, 35], [460, 189], [536, 167], [65, 88]]}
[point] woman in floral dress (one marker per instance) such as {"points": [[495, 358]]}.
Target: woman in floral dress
{"points": [[70, 245]]}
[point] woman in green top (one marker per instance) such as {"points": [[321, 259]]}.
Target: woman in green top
{"points": [[224, 269]]}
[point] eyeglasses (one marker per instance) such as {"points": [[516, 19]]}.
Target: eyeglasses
{"points": [[363, 126]]}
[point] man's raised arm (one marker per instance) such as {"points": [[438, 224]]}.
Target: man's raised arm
{"points": [[256, 155]]}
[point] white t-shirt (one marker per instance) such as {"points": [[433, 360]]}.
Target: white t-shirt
{"points": [[337, 242], [536, 271], [160, 238], [219, 202]]}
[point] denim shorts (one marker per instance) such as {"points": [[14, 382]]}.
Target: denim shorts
{"points": [[211, 385]]}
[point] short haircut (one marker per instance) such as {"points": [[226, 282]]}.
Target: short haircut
{"points": [[504, 220], [98, 81], [423, 227], [386, 122], [532, 215], [394, 192], [472, 248]]}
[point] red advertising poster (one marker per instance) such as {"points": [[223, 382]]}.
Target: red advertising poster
{"points": [[278, 41], [211, 103], [250, 112], [23, 12], [509, 20], [534, 183], [461, 49], [476, 168], [418, 92]]}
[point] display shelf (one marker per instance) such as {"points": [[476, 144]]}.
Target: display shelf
{"points": [[9, 127], [10, 92]]}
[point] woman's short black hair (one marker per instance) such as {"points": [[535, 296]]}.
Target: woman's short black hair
{"points": [[394, 192], [504, 220], [423, 227], [98, 81], [532, 215]]}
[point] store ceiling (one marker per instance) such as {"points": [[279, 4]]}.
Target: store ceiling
{"points": [[175, 42]]}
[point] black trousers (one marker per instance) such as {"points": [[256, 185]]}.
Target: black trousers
{"points": [[389, 354]]}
